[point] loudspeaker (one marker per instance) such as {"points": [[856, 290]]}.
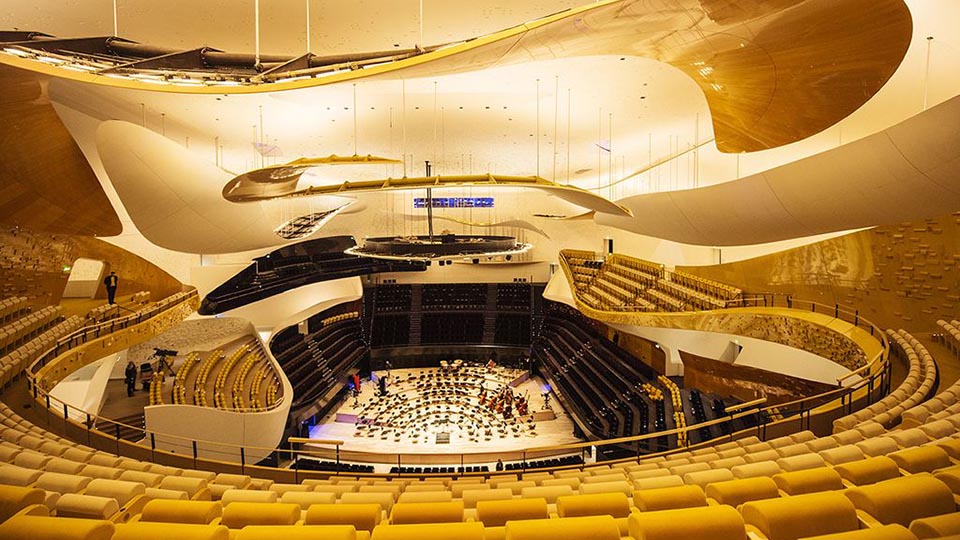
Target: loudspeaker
{"points": [[476, 261], [608, 246]]}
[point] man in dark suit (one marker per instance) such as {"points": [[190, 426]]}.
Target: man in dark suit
{"points": [[111, 283]]}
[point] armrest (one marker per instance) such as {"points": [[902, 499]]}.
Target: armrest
{"points": [[867, 521]]}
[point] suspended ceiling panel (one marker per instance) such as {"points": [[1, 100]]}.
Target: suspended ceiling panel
{"points": [[908, 171]]}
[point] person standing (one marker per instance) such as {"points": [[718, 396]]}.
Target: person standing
{"points": [[130, 377], [111, 283]]}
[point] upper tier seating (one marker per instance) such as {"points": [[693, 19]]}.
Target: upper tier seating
{"points": [[915, 388], [624, 283]]}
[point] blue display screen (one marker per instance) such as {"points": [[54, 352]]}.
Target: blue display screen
{"points": [[455, 202]]}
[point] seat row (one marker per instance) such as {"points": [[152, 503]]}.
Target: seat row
{"points": [[14, 362], [103, 312], [11, 307], [950, 335], [25, 328], [914, 389]]}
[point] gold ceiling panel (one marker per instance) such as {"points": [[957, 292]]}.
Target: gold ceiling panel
{"points": [[47, 183], [772, 71]]}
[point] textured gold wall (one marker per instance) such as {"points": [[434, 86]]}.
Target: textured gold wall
{"points": [[32, 265], [901, 276]]}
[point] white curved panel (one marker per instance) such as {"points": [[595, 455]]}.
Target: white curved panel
{"points": [[909, 171], [174, 198]]}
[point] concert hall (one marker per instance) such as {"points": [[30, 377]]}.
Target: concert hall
{"points": [[480, 270]]}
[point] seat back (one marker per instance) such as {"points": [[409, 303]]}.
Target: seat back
{"points": [[363, 517], [497, 513], [174, 511], [809, 481], [569, 528], [611, 504], [713, 522], [166, 531], [902, 500], [789, 518], [736, 492], [240, 514], [59, 528], [431, 531], [425, 496], [649, 500], [427, 512], [296, 532], [550, 493], [471, 498], [307, 498], [16, 498]]}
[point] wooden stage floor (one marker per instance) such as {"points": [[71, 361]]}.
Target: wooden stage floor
{"points": [[425, 449]]}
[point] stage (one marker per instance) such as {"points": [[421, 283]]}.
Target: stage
{"points": [[425, 406]]}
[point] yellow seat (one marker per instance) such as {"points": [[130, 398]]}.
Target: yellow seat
{"points": [[950, 477], [432, 531], [737, 492], [615, 505], [385, 500], [809, 481], [550, 493], [611, 504], [886, 532], [903, 500], [868, 471], [712, 522], [471, 498], [297, 532], [240, 514], [458, 489], [120, 491], [337, 489], [425, 496], [363, 517], [166, 531], [570, 528], [174, 511], [16, 498], [392, 489], [790, 518], [247, 495], [921, 459], [497, 513], [649, 500], [27, 527], [307, 498], [427, 512], [936, 526], [73, 505]]}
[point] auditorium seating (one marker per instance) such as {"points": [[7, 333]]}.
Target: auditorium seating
{"points": [[916, 387], [319, 362], [622, 283], [603, 386], [949, 335], [794, 505], [870, 480]]}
